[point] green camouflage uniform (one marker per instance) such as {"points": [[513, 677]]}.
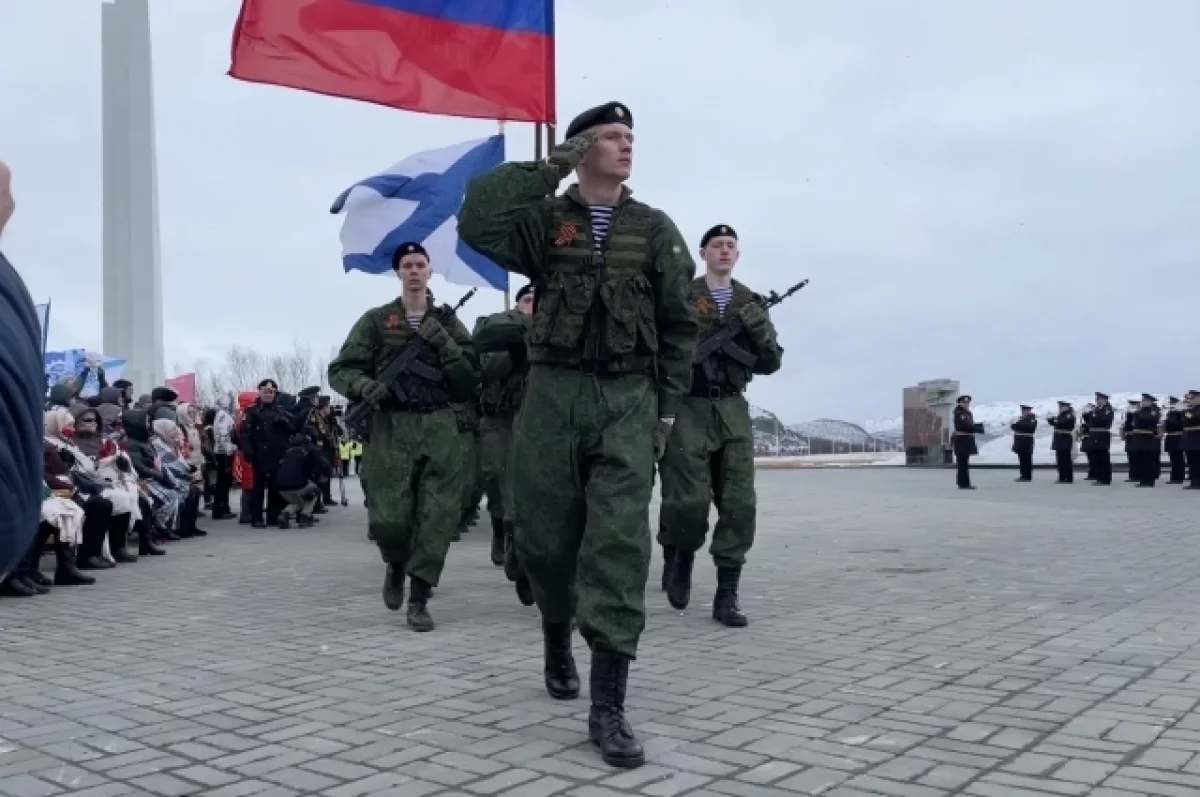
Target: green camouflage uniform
{"points": [[610, 347], [466, 414], [710, 455], [500, 340], [411, 523]]}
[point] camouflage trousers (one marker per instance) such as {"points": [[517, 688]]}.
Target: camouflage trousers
{"points": [[582, 500], [415, 468], [472, 482], [495, 448], [709, 460]]}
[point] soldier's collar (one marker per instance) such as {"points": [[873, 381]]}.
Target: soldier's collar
{"points": [[573, 194]]}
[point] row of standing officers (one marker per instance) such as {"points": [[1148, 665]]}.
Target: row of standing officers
{"points": [[1147, 433], [589, 387]]}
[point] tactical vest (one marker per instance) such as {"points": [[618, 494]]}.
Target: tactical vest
{"points": [[732, 376], [501, 398], [595, 310], [423, 395]]}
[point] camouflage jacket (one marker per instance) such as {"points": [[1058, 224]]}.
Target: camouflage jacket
{"points": [[384, 331], [500, 341], [626, 309], [760, 341]]}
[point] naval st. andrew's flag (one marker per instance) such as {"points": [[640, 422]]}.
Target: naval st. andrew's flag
{"points": [[418, 199]]}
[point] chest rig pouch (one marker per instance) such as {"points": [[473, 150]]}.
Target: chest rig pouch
{"points": [[421, 388]]}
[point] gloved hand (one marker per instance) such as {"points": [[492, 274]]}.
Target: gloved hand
{"points": [[754, 317], [662, 433], [566, 156], [374, 393], [432, 331]]}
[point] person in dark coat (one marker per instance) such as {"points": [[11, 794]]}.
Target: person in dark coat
{"points": [[1100, 435], [1085, 439], [1173, 440], [1127, 438], [1023, 430], [22, 392], [964, 441], [1191, 438], [267, 430], [302, 470], [1145, 447], [1063, 442]]}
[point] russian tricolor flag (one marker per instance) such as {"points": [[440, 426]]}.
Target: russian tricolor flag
{"points": [[488, 59]]}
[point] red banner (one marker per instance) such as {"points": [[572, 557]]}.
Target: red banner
{"points": [[185, 386]]}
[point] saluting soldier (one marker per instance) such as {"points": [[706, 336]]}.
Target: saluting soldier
{"points": [[1191, 438], [1063, 441], [1172, 430], [414, 461], [964, 441], [1145, 447], [710, 454], [611, 347], [1101, 440], [1127, 437], [1023, 430]]}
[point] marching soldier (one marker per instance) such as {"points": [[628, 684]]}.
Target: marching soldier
{"points": [[611, 347], [1172, 431], [964, 441], [1191, 438], [414, 461], [1100, 435], [710, 454], [1063, 441], [1127, 437], [1023, 430], [1145, 448]]}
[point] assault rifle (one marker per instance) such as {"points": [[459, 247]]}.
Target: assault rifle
{"points": [[358, 415], [723, 339]]}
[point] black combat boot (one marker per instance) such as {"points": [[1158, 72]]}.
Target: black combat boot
{"points": [[512, 569], [66, 574], [118, 539], [607, 726], [668, 558], [679, 585], [418, 614], [562, 679], [725, 605], [393, 587], [498, 547], [146, 546]]}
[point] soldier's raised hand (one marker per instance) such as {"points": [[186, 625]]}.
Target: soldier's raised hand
{"points": [[566, 156]]}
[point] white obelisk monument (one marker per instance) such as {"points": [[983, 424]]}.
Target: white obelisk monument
{"points": [[133, 326]]}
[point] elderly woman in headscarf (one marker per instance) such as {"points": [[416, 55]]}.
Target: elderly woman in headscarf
{"points": [[113, 466], [97, 509], [170, 444], [158, 483]]}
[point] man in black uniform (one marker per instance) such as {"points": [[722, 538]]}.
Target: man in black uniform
{"points": [[1085, 439], [1191, 438], [964, 441], [1100, 435], [1023, 430], [1127, 436], [1144, 445], [1064, 441], [267, 428], [1173, 441]]}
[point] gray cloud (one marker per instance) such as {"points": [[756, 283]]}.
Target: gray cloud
{"points": [[997, 192]]}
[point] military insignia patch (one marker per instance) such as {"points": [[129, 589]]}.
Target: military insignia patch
{"points": [[393, 322], [566, 234], [619, 111], [703, 305]]}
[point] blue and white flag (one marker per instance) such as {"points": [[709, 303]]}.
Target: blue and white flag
{"points": [[418, 199], [43, 314]]}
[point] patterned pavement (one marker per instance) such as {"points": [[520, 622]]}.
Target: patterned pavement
{"points": [[907, 640]]}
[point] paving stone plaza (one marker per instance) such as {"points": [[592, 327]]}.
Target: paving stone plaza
{"points": [[906, 639]]}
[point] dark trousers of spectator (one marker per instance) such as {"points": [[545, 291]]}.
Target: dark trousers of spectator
{"points": [[1102, 466], [223, 484], [1062, 459], [1025, 465], [357, 465], [1178, 467], [265, 496], [964, 470]]}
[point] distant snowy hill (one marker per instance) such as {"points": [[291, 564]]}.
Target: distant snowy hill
{"points": [[772, 437]]}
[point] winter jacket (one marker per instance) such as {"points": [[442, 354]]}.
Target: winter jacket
{"points": [[302, 463]]}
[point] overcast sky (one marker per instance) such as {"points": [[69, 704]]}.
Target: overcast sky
{"points": [[999, 192]]}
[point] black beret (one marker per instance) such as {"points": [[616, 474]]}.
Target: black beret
{"points": [[407, 248], [1133, 402], [1064, 404], [268, 382], [1102, 395], [1148, 397], [963, 397], [1173, 400], [1193, 392], [721, 230], [163, 394], [1026, 406], [122, 383], [606, 114], [524, 291], [308, 392]]}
